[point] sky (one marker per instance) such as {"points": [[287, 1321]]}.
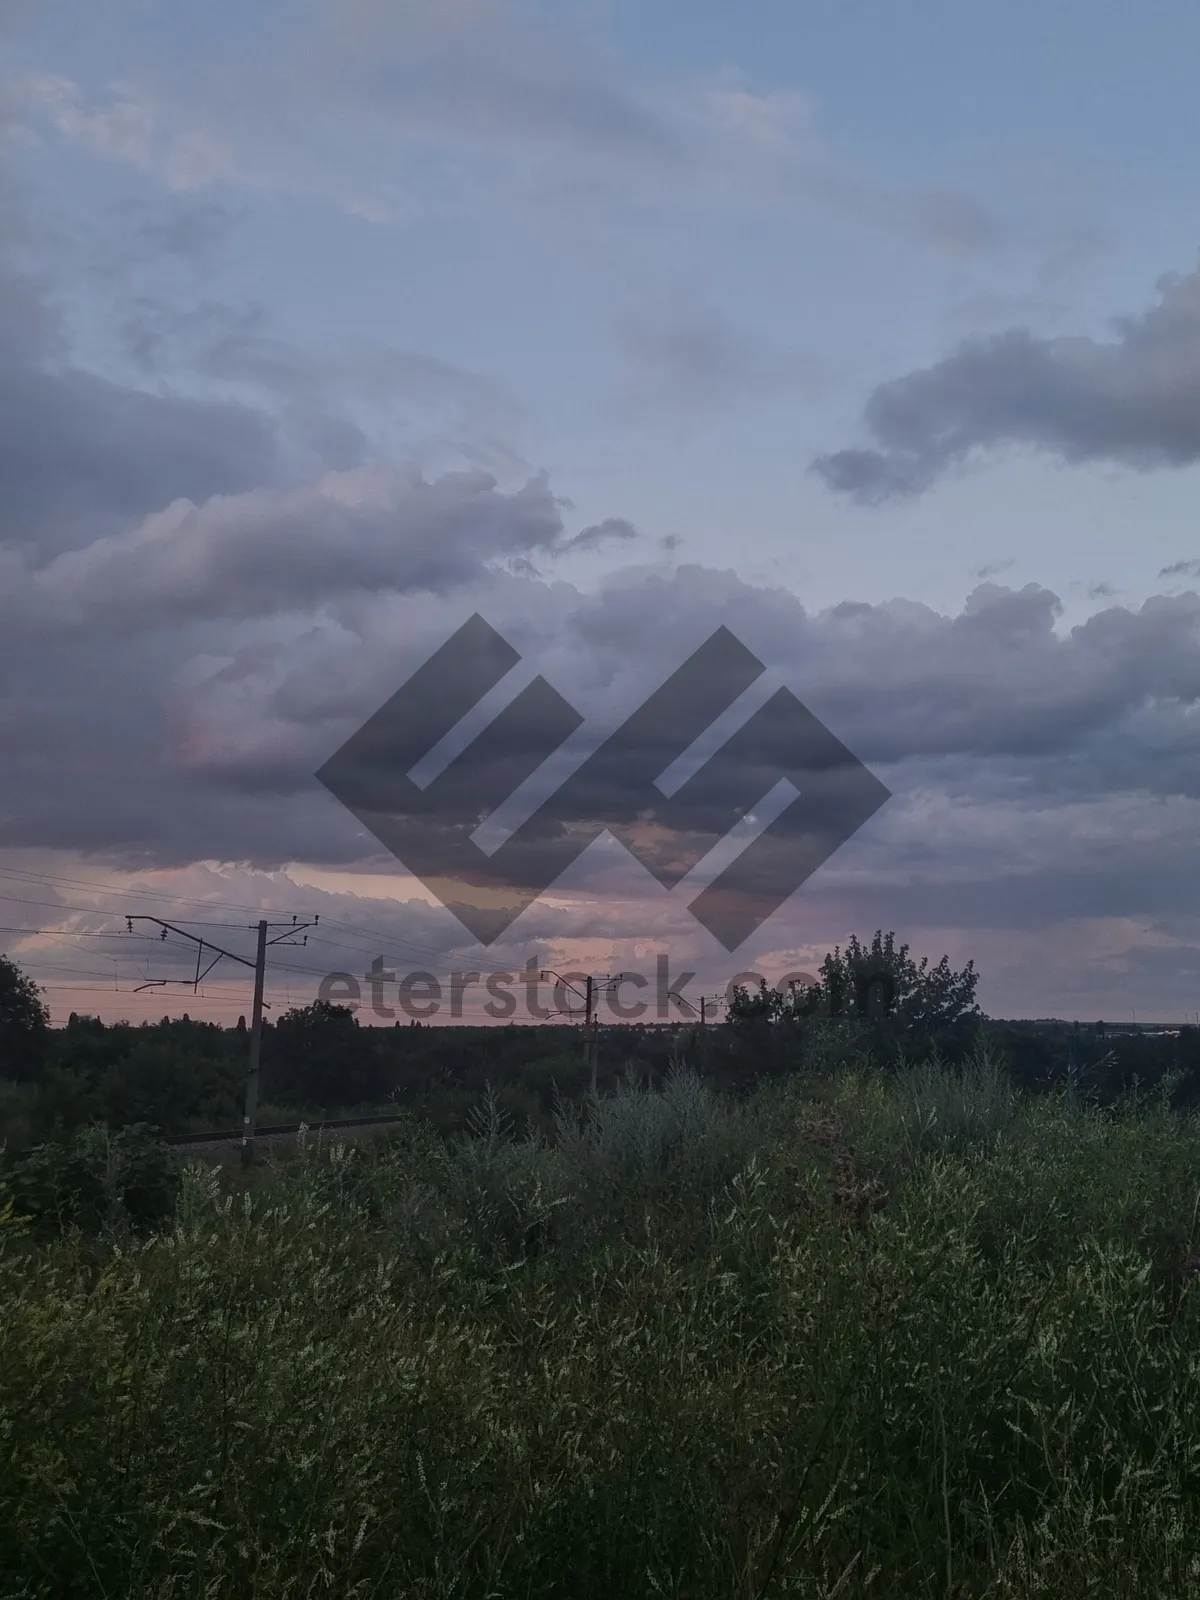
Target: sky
{"points": [[869, 331]]}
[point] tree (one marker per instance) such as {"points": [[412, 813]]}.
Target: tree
{"points": [[24, 1023], [885, 982], [880, 987], [160, 1082], [321, 1057]]}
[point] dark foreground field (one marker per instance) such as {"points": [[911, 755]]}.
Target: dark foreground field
{"points": [[904, 1337]]}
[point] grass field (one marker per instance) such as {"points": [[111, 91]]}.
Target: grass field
{"points": [[856, 1336]]}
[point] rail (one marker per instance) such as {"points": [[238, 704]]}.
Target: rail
{"points": [[279, 1129]]}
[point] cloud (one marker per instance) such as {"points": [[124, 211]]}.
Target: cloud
{"points": [[159, 548], [83, 455], [989, 707], [80, 454], [266, 551], [129, 127], [227, 410], [379, 375], [473, 71], [339, 398], [357, 98], [1043, 779], [601, 533], [205, 589], [133, 507], [1132, 401], [756, 146], [440, 106]]}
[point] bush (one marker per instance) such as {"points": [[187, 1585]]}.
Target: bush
{"points": [[943, 1107], [638, 1125], [94, 1179], [157, 1083]]}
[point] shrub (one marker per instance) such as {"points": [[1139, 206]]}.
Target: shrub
{"points": [[96, 1178], [638, 1125], [943, 1107]]}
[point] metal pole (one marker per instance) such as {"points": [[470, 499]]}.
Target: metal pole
{"points": [[260, 970], [590, 1045], [1073, 1063]]}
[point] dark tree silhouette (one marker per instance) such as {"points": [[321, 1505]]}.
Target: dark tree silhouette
{"points": [[24, 1021], [879, 985]]}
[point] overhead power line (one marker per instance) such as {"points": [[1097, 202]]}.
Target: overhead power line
{"points": [[259, 964]]}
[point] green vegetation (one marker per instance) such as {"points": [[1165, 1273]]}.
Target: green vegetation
{"points": [[857, 1295], [853, 1334], [182, 1076], [24, 1023]]}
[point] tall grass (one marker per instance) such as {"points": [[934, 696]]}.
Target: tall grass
{"points": [[863, 1337], [638, 1126]]}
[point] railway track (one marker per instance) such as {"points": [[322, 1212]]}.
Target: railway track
{"points": [[281, 1132]]}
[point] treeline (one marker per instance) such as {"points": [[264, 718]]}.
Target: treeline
{"points": [[181, 1075], [872, 1001]]}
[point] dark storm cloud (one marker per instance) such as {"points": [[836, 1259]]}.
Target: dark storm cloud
{"points": [[80, 455], [1036, 774], [133, 715], [1040, 899], [269, 551], [1064, 765], [992, 708], [155, 553], [1133, 400], [996, 686]]}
